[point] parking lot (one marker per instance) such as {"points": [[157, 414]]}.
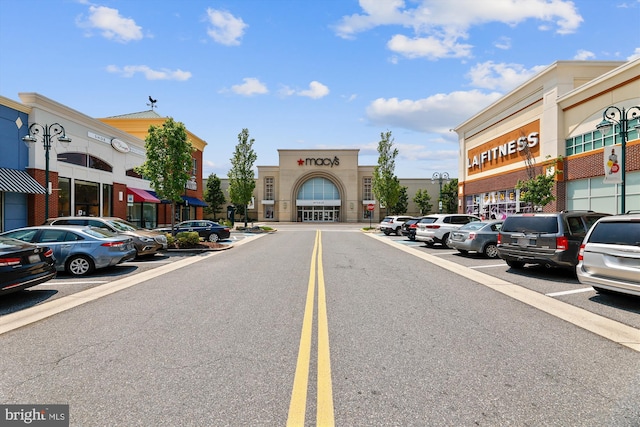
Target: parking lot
{"points": [[559, 284]]}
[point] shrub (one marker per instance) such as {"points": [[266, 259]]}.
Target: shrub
{"points": [[187, 239]]}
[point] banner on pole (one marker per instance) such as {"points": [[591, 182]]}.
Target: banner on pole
{"points": [[612, 165]]}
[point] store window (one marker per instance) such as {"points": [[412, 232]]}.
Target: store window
{"points": [[64, 196], [593, 140], [107, 191], [87, 198], [86, 160]]}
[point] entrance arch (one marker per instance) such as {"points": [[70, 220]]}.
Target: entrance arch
{"points": [[318, 199]]}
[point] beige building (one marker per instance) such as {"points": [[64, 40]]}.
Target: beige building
{"points": [[323, 186], [548, 125]]}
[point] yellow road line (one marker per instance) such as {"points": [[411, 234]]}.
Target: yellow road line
{"points": [[324, 413], [297, 406]]}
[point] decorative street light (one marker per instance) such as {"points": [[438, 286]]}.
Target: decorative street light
{"points": [[440, 176], [611, 116], [46, 132]]}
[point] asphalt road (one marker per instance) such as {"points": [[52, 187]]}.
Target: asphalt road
{"points": [[328, 327]]}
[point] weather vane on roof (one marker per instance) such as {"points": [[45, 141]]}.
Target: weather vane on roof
{"points": [[152, 102]]}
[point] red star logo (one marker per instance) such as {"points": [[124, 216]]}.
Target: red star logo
{"points": [[300, 162]]}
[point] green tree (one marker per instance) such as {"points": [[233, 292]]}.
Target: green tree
{"points": [[537, 190], [169, 162], [385, 185], [242, 180], [423, 200], [214, 196], [450, 196], [403, 202]]}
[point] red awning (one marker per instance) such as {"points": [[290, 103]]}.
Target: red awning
{"points": [[140, 195]]}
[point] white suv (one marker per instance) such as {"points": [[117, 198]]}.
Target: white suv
{"points": [[393, 224], [435, 228]]}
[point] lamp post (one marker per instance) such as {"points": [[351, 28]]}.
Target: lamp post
{"points": [[612, 116], [440, 176], [46, 132]]}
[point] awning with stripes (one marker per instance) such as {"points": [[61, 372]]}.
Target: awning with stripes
{"points": [[16, 181]]}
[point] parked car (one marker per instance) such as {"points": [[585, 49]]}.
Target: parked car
{"points": [[147, 242], [549, 239], [477, 236], [609, 257], [393, 224], [409, 228], [208, 230], [23, 265], [79, 250], [435, 228]]}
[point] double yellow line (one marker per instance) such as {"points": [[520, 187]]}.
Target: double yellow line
{"points": [[297, 407]]}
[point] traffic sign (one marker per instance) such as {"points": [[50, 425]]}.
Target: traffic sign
{"points": [[371, 207]]}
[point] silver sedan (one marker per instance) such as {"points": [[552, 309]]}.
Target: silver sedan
{"points": [[479, 236]]}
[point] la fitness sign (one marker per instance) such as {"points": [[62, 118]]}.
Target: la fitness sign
{"points": [[506, 149], [312, 161]]}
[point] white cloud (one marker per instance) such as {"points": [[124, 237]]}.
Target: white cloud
{"points": [[438, 25], [316, 90], [503, 43], [584, 55], [111, 24], [251, 86], [227, 29], [437, 113], [501, 76], [634, 55], [150, 74]]}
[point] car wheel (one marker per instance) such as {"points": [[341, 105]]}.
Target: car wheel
{"points": [[490, 250], [445, 241], [79, 265], [412, 237], [213, 237], [386, 232], [398, 232], [515, 264]]}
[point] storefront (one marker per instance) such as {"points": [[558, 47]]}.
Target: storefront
{"points": [[548, 125]]}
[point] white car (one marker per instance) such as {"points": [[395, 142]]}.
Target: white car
{"points": [[393, 224], [435, 228], [609, 257]]}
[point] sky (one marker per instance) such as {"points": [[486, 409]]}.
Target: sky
{"points": [[304, 74]]}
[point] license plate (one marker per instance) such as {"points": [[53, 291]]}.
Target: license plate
{"points": [[34, 259], [525, 241]]}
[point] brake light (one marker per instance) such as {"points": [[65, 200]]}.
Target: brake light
{"points": [[8, 262], [49, 253], [413, 226], [581, 253], [433, 226], [113, 244], [499, 239], [562, 243]]}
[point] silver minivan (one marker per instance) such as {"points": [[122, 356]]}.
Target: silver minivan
{"points": [[609, 257]]}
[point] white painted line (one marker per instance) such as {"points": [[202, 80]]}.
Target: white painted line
{"points": [[30, 315], [609, 329], [489, 266], [575, 291]]}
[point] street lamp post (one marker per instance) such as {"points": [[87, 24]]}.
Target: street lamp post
{"points": [[611, 116], [440, 176], [46, 132]]}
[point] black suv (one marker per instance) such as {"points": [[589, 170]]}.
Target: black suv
{"points": [[549, 239]]}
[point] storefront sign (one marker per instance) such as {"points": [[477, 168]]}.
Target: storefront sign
{"points": [[507, 149], [120, 145], [310, 161]]}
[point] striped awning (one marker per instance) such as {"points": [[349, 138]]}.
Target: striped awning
{"points": [[15, 181]]}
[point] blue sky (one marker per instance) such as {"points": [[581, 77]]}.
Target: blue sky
{"points": [[304, 74]]}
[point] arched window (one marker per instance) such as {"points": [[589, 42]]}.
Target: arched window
{"points": [[86, 160], [318, 189]]}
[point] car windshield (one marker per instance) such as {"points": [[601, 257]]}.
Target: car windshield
{"points": [[123, 226], [531, 224], [616, 233]]}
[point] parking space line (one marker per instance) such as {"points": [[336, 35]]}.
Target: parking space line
{"points": [[79, 282], [607, 328], [575, 291], [489, 266]]}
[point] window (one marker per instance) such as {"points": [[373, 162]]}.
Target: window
{"points": [[85, 160], [268, 188], [367, 194], [594, 139], [318, 189], [194, 167]]}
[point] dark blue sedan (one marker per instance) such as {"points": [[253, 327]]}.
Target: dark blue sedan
{"points": [[207, 230]]}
